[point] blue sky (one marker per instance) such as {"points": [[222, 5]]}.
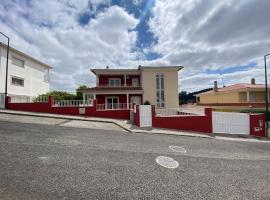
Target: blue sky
{"points": [[213, 40]]}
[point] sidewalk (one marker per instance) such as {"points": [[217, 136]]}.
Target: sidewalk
{"points": [[124, 124]]}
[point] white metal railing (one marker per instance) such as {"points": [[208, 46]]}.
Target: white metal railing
{"points": [[117, 86], [179, 111], [28, 99], [114, 106], [72, 103]]}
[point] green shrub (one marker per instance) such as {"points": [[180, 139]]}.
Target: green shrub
{"points": [[146, 103]]}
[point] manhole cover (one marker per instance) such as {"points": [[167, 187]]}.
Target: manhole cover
{"points": [[178, 149], [167, 162]]}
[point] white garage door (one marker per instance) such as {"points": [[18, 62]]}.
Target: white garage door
{"points": [[232, 123]]}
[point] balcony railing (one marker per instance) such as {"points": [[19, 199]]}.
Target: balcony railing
{"points": [[165, 112], [72, 103], [118, 86], [114, 106]]}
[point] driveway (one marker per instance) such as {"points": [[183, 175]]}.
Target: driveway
{"points": [[55, 162]]}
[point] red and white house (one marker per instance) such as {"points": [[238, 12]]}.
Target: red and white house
{"points": [[121, 88]]}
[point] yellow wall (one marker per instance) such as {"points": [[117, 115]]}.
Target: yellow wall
{"points": [[170, 86], [232, 97]]}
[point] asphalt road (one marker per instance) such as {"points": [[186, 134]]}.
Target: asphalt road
{"points": [[40, 161]]}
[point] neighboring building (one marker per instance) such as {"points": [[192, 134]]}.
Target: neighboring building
{"points": [[117, 88], [242, 94], [27, 76]]}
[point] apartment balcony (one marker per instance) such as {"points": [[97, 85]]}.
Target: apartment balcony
{"points": [[118, 86]]}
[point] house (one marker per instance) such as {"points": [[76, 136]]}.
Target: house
{"points": [[241, 94], [120, 88], [27, 76]]}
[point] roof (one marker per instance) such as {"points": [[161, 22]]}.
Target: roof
{"points": [[236, 87], [25, 55], [132, 71]]}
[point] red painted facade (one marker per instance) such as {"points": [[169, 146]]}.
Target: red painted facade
{"points": [[104, 79]]}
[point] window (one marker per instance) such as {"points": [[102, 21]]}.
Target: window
{"points": [[17, 81], [114, 82], [112, 102], [160, 90], [18, 62]]}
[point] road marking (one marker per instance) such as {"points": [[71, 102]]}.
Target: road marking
{"points": [[167, 162], [178, 149]]}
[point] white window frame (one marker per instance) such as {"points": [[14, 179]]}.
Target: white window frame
{"points": [[19, 59], [16, 77], [160, 90], [114, 80], [111, 97]]}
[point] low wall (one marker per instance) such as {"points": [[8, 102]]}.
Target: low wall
{"points": [[46, 107], [257, 124], [185, 122]]}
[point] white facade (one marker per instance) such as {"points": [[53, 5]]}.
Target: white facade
{"points": [[26, 75]]}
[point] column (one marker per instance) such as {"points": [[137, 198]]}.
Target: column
{"points": [[248, 98], [97, 80], [125, 79], [127, 101]]}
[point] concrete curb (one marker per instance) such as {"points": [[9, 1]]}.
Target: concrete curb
{"points": [[67, 118], [183, 135]]}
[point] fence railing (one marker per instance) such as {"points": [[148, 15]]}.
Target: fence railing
{"points": [[179, 111], [114, 106], [28, 99], [72, 103]]}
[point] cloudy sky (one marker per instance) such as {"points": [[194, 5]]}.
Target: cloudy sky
{"points": [[213, 40]]}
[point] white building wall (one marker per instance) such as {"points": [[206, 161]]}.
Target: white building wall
{"points": [[32, 73]]}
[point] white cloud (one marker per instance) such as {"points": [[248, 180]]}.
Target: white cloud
{"points": [[211, 34], [50, 30]]}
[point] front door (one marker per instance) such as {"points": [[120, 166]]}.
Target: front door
{"points": [[135, 100], [112, 102]]}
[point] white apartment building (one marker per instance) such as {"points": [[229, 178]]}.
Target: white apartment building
{"points": [[27, 76]]}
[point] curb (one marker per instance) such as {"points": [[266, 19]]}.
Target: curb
{"points": [[198, 136], [67, 118]]}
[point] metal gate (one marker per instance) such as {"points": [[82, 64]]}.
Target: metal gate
{"points": [[2, 100], [232, 123], [145, 116]]}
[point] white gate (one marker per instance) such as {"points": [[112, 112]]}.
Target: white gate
{"points": [[145, 116], [2, 100], [232, 123]]}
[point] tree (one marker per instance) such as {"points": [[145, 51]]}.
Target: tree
{"points": [[79, 95]]}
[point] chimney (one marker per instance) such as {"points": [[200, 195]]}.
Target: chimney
{"points": [[215, 86], [253, 81]]}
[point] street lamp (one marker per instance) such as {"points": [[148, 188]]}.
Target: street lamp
{"points": [[6, 68], [266, 91]]}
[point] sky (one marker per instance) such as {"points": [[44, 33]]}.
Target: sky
{"points": [[222, 40]]}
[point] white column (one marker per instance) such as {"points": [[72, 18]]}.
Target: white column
{"points": [[97, 80], [84, 96], [248, 98], [125, 79], [127, 101]]}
